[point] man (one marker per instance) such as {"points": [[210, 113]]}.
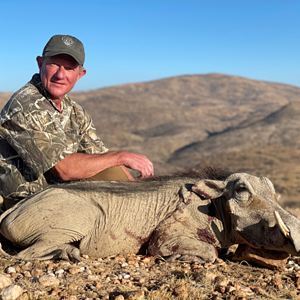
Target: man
{"points": [[48, 138]]}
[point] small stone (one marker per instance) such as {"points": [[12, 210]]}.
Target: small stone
{"points": [[14, 275], [63, 294], [220, 261], [48, 280], [296, 267], [211, 276], [55, 292], [139, 295], [146, 260], [221, 284], [24, 296], [22, 268], [75, 270], [120, 259], [180, 292], [260, 291], [11, 292], [240, 295], [73, 288], [120, 297], [247, 290], [216, 296], [39, 293], [11, 270], [126, 281], [27, 274], [50, 267], [276, 281], [263, 284], [5, 281], [60, 271], [98, 285], [116, 281], [37, 272], [230, 289], [93, 277]]}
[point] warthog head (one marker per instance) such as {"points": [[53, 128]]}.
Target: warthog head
{"points": [[256, 218]]}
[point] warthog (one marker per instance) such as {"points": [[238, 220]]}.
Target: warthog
{"points": [[187, 217]]}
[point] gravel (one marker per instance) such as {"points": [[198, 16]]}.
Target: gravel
{"points": [[141, 277]]}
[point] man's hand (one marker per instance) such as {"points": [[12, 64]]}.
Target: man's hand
{"points": [[137, 162]]}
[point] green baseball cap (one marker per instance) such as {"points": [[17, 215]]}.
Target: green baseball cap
{"points": [[65, 44]]}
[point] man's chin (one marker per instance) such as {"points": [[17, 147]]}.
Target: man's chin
{"points": [[57, 94]]}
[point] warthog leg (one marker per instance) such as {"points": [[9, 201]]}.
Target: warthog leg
{"points": [[181, 248], [40, 251]]}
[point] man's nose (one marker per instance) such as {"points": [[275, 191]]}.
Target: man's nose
{"points": [[61, 72]]}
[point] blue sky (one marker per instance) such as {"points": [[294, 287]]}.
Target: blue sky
{"points": [[135, 41]]}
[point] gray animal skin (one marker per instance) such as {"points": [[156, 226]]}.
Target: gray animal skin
{"points": [[187, 217]]}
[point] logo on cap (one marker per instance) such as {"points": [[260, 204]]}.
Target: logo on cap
{"points": [[68, 41]]}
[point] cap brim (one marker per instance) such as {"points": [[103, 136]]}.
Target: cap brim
{"points": [[64, 51]]}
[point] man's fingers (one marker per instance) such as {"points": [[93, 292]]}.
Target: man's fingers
{"points": [[139, 163], [149, 172]]}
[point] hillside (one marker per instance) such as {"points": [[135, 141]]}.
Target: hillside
{"points": [[160, 117], [181, 122], [280, 129]]}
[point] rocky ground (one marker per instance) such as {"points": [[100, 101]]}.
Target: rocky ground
{"points": [[142, 277]]}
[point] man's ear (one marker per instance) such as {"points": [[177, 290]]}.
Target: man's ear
{"points": [[39, 60], [81, 73]]}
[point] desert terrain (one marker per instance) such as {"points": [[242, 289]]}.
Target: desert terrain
{"points": [[183, 123]]}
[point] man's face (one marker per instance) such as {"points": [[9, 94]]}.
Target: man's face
{"points": [[59, 74]]}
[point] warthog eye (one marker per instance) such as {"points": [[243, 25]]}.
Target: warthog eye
{"points": [[241, 189], [242, 193]]}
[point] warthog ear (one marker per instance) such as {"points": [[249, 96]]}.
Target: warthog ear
{"points": [[186, 194], [209, 189]]}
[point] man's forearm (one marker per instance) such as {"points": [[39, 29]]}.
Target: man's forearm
{"points": [[79, 165]]}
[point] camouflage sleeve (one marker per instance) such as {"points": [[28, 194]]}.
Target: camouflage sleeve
{"points": [[41, 141], [13, 184], [90, 142]]}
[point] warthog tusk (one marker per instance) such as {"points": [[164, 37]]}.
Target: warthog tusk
{"points": [[285, 231]]}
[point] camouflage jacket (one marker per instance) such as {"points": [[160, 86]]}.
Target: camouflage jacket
{"points": [[35, 135]]}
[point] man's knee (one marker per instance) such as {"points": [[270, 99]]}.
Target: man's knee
{"points": [[115, 173]]}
